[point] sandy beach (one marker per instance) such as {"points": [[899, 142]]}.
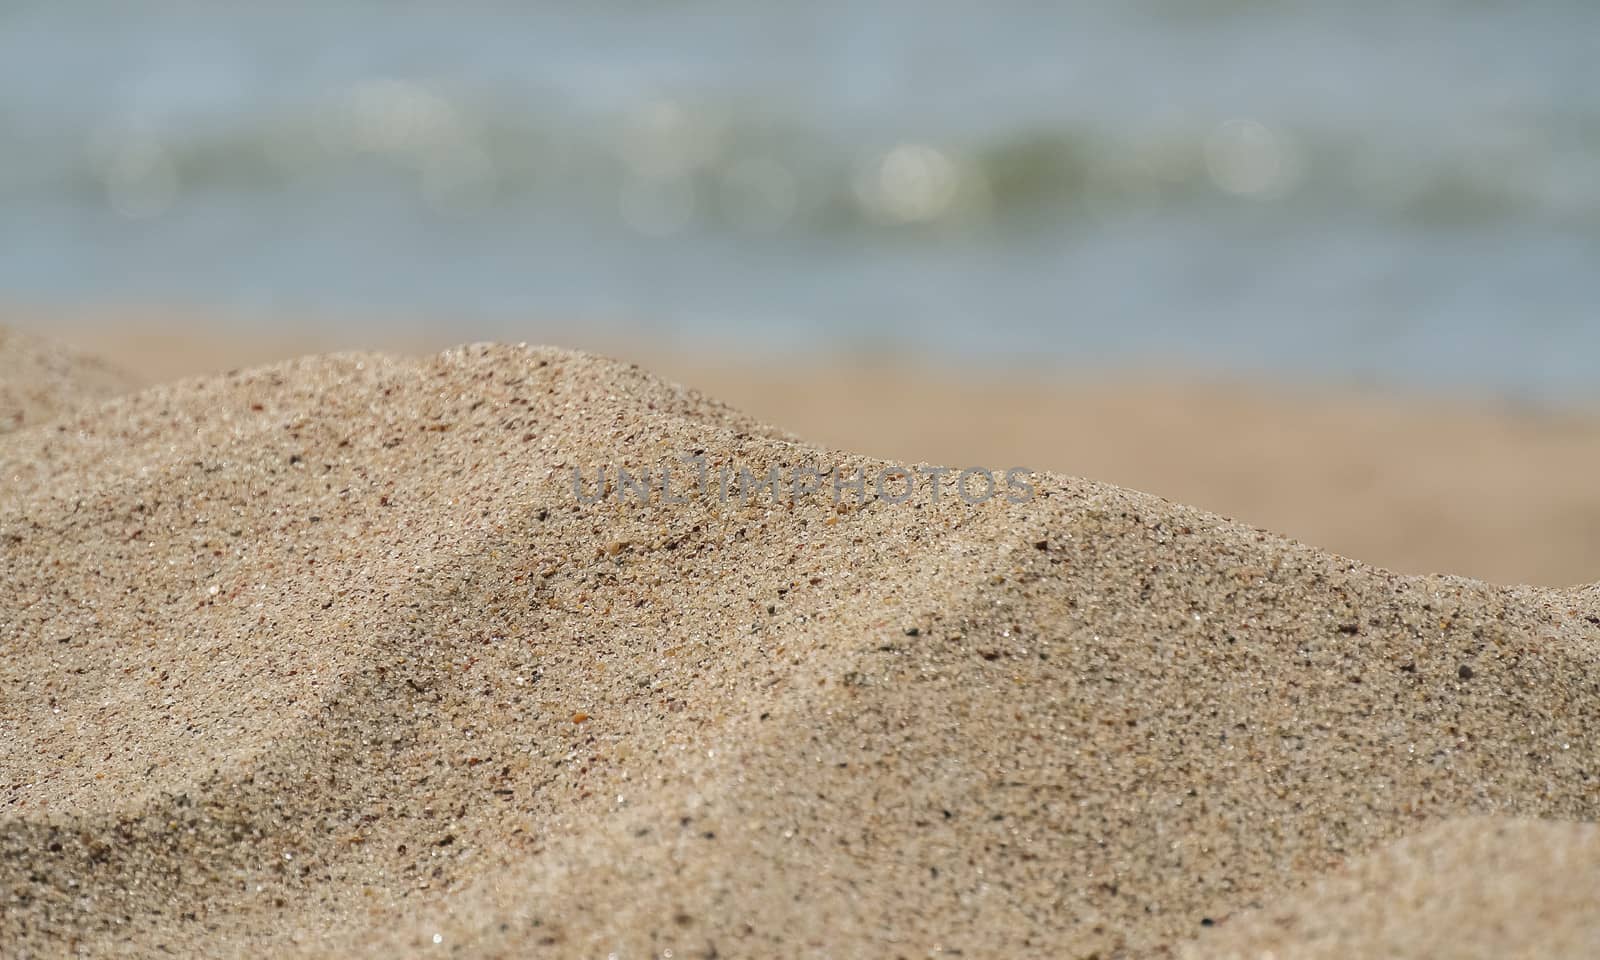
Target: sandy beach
{"points": [[329, 658]]}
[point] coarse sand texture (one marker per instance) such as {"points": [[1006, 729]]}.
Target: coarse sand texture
{"points": [[327, 659]]}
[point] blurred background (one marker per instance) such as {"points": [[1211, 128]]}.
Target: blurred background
{"points": [[1112, 238]]}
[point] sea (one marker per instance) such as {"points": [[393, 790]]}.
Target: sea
{"points": [[1400, 194]]}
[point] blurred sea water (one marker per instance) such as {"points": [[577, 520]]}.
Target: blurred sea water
{"points": [[1403, 193]]}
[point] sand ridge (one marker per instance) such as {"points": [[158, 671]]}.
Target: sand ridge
{"points": [[325, 658], [1492, 488]]}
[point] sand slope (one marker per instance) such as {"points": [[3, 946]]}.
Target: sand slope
{"points": [[325, 658], [1413, 483], [1470, 888], [1488, 488]]}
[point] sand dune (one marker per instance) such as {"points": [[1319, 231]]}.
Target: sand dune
{"points": [[1413, 483], [1421, 484], [327, 659]]}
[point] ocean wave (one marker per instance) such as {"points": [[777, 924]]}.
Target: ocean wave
{"points": [[671, 166]]}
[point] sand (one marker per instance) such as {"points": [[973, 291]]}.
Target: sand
{"points": [[41, 380], [1485, 888], [1476, 487], [1414, 483], [326, 659]]}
